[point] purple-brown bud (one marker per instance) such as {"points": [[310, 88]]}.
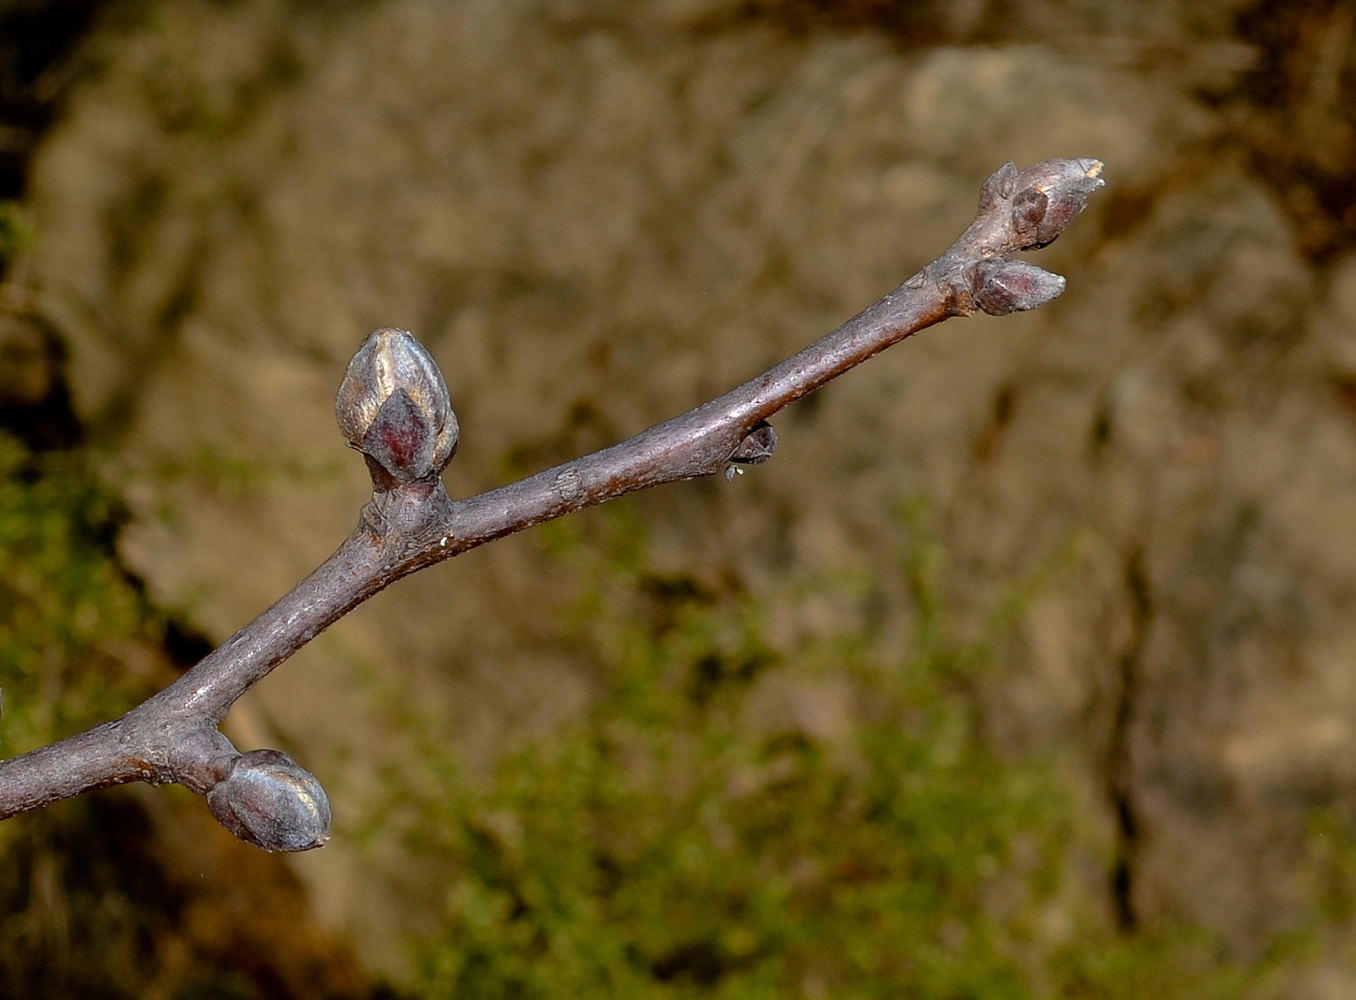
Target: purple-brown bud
{"points": [[757, 446], [272, 802], [1001, 285], [393, 406], [1048, 196]]}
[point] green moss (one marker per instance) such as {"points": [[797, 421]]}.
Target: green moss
{"points": [[13, 231], [738, 818], [65, 606]]}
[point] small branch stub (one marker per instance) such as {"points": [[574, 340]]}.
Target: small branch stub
{"points": [[1049, 196]]}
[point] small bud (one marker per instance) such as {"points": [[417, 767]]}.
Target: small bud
{"points": [[1001, 286], [270, 801], [393, 406], [998, 188], [757, 447], [1049, 195]]}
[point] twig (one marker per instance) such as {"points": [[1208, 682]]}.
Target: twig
{"points": [[393, 407]]}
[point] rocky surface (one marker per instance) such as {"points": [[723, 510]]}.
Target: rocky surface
{"points": [[598, 215]]}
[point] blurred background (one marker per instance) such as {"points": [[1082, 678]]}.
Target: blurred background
{"points": [[1024, 670]]}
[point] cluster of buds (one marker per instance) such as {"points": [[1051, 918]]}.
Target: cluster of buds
{"points": [[1031, 208], [1047, 196]]}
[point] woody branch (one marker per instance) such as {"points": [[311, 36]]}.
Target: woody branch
{"points": [[393, 407]]}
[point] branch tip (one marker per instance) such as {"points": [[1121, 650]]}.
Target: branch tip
{"points": [[1049, 195]]}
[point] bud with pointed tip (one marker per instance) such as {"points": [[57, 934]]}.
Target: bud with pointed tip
{"points": [[998, 188], [1001, 285], [1048, 196], [272, 802], [393, 406]]}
